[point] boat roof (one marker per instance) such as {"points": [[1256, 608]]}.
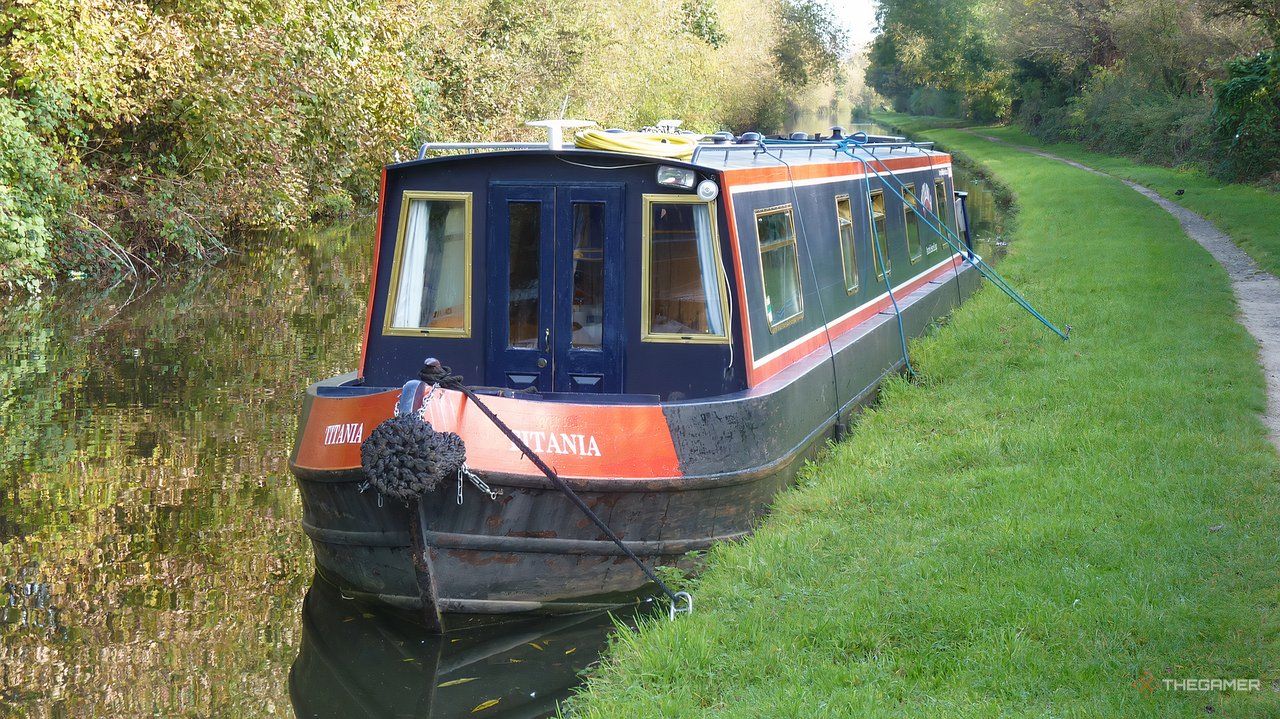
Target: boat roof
{"points": [[716, 156]]}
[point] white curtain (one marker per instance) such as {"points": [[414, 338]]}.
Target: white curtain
{"points": [[446, 262], [710, 272], [413, 263]]}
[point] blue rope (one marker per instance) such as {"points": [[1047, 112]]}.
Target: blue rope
{"points": [[884, 268], [948, 236]]}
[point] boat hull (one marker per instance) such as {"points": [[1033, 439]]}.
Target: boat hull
{"points": [[532, 550]]}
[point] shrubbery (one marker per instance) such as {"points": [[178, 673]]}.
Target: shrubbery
{"points": [[133, 132], [1247, 117], [30, 194]]}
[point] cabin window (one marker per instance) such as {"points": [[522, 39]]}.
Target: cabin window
{"points": [[588, 275], [431, 274], [943, 207], [848, 250], [684, 289], [879, 234], [911, 221], [524, 247], [779, 267]]}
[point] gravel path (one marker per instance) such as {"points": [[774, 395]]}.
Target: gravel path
{"points": [[1257, 292]]}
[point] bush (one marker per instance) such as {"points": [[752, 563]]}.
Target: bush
{"points": [[1246, 117], [1119, 111], [31, 195]]}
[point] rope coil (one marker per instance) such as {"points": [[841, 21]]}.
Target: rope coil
{"points": [[404, 457]]}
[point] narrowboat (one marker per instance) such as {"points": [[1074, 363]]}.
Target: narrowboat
{"points": [[674, 333]]}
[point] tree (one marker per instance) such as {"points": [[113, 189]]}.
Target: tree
{"points": [[810, 43]]}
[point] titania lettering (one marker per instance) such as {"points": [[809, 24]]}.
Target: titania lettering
{"points": [[344, 433], [582, 445]]}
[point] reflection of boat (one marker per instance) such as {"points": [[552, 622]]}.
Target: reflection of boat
{"points": [[354, 662], [737, 314]]}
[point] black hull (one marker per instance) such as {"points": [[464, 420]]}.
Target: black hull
{"points": [[531, 550]]}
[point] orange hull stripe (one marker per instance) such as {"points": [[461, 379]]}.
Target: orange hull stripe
{"points": [[587, 441], [801, 349]]}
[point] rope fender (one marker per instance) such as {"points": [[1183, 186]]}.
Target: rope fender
{"points": [[404, 457]]}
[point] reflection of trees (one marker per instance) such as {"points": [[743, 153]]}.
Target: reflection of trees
{"points": [[149, 548]]}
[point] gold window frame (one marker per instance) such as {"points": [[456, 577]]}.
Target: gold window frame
{"points": [[882, 241], [909, 213], [646, 282], [775, 327], [853, 246], [463, 332]]}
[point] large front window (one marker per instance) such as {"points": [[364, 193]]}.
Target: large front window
{"points": [[779, 267], [431, 275], [684, 289]]}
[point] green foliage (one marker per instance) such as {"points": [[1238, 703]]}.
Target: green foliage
{"points": [[167, 128], [810, 42], [1134, 77], [1247, 116], [702, 21], [31, 197], [936, 57]]}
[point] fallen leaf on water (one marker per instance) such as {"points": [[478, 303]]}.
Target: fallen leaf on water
{"points": [[571, 651], [535, 646], [485, 705], [456, 682]]}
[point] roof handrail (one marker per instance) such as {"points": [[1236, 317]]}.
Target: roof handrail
{"points": [[475, 146], [891, 144]]}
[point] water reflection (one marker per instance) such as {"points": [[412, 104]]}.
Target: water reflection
{"points": [[150, 556], [355, 662]]}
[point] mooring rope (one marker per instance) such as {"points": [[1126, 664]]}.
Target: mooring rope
{"points": [[435, 373]]}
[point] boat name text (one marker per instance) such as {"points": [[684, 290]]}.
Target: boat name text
{"points": [[352, 433], [582, 445]]}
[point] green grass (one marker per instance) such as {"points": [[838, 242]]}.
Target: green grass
{"points": [[1029, 527]]}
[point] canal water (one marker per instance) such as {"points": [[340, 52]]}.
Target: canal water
{"points": [[151, 560]]}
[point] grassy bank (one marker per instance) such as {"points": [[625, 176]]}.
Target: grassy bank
{"points": [[1030, 529]]}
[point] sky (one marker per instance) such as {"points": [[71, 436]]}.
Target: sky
{"points": [[858, 16]]}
